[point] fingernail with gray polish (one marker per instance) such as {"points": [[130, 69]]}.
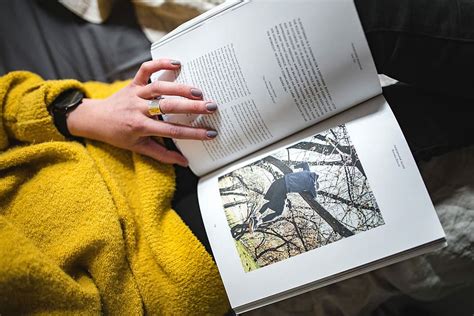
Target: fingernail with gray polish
{"points": [[211, 106], [211, 134], [175, 62], [196, 92]]}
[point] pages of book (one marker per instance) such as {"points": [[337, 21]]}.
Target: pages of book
{"points": [[273, 68], [370, 208]]}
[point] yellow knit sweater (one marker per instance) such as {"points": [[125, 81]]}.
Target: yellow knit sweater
{"points": [[90, 229]]}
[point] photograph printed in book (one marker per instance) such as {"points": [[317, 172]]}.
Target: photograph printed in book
{"points": [[298, 199]]}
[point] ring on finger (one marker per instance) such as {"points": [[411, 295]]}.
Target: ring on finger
{"points": [[154, 106]]}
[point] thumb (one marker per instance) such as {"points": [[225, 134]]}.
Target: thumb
{"points": [[158, 152]]}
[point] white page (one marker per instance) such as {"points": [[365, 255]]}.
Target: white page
{"points": [[409, 218], [231, 58]]}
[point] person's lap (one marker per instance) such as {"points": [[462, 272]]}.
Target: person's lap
{"points": [[425, 43], [428, 45], [433, 123], [66, 47]]}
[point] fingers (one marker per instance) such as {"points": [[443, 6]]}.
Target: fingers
{"points": [[158, 128], [180, 105], [158, 152], [152, 66], [176, 105], [158, 88]]}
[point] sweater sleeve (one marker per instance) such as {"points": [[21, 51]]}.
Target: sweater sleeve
{"points": [[303, 165], [24, 98]]}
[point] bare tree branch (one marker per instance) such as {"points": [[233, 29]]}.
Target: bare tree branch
{"points": [[270, 249], [333, 222], [347, 150], [234, 203], [297, 229], [232, 193], [345, 201]]}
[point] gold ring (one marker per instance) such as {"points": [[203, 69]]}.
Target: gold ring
{"points": [[154, 106]]}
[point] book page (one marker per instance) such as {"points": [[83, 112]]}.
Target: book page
{"points": [[273, 68], [340, 198]]}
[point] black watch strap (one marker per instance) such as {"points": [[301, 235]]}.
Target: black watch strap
{"points": [[60, 108]]}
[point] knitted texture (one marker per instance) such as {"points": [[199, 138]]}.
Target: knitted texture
{"points": [[90, 229]]}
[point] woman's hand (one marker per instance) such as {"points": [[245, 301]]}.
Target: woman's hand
{"points": [[123, 120]]}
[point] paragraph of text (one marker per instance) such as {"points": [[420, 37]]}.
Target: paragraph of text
{"points": [[217, 74], [239, 126], [301, 75]]}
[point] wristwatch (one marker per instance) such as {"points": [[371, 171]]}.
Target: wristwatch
{"points": [[60, 108]]}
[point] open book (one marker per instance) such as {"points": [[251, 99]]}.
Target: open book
{"points": [[310, 180]]}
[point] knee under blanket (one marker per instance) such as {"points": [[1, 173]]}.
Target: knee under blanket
{"points": [[89, 229]]}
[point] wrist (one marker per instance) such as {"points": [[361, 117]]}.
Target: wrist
{"points": [[80, 120], [66, 102]]}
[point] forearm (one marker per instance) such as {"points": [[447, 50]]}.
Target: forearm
{"points": [[124, 120], [118, 114]]}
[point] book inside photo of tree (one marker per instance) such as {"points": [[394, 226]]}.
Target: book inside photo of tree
{"points": [[300, 198]]}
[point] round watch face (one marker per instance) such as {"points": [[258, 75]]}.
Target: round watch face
{"points": [[68, 99], [62, 106]]}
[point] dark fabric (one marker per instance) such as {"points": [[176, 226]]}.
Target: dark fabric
{"points": [[302, 181], [432, 123], [272, 216], [429, 46], [185, 201], [276, 196], [44, 37], [426, 43]]}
